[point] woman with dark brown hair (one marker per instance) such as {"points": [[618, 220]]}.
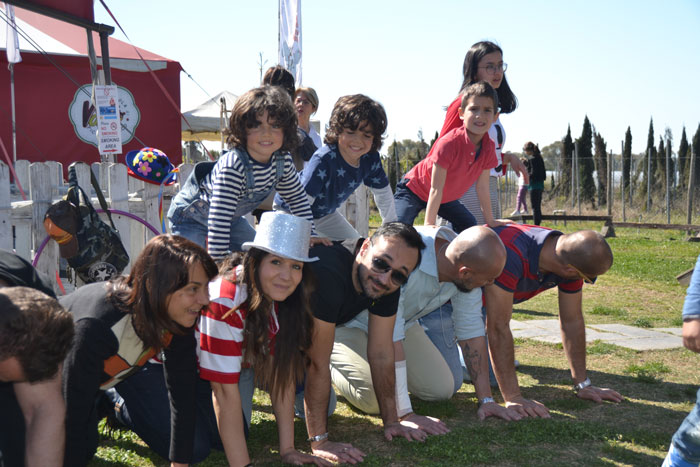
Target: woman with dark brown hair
{"points": [[257, 331], [121, 324], [538, 175]]}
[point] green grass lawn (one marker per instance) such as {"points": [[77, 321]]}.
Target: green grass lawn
{"points": [[659, 386]]}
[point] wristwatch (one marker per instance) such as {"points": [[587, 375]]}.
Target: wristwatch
{"points": [[582, 385], [318, 438], [485, 400]]}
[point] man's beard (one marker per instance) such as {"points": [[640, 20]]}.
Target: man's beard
{"points": [[364, 281], [461, 287]]}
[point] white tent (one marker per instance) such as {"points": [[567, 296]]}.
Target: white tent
{"points": [[209, 118]]}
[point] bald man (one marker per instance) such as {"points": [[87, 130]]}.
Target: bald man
{"points": [[538, 259], [440, 305]]}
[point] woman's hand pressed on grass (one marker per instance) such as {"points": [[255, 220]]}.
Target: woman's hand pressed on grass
{"points": [[430, 425], [338, 452], [528, 407], [295, 457], [492, 409], [596, 394]]}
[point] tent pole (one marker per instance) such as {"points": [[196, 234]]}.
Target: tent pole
{"points": [[14, 121]]}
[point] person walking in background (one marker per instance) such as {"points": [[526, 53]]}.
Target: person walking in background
{"points": [[685, 445], [538, 175], [522, 189]]}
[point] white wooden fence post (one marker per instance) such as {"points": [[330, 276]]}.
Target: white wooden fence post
{"points": [[119, 199], [41, 190], [5, 208]]}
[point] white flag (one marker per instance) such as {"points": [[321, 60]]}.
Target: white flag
{"points": [[13, 55], [290, 37]]}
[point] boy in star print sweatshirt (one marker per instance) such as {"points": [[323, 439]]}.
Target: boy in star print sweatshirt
{"points": [[348, 158]]}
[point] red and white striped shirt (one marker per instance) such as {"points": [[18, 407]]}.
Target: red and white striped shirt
{"points": [[221, 340]]}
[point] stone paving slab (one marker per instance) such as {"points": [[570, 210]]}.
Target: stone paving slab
{"points": [[674, 331], [548, 330]]}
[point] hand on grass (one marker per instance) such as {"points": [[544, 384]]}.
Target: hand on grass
{"points": [[430, 425], [295, 457], [528, 407], [492, 409], [598, 395], [338, 452], [408, 430], [320, 241]]}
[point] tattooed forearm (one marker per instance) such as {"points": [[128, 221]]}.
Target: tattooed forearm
{"points": [[472, 358]]}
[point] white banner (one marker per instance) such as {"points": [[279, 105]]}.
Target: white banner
{"points": [[109, 135], [13, 55], [290, 37]]}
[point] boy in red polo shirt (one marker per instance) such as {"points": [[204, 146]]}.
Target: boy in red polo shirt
{"points": [[467, 154]]}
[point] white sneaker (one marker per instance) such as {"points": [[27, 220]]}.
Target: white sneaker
{"points": [[515, 213]]}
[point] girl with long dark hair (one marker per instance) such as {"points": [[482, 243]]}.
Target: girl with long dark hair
{"points": [[257, 331]]}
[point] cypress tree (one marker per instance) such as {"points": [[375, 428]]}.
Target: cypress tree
{"points": [[683, 160], [601, 166], [567, 154], [661, 166], [585, 162], [645, 163], [696, 150], [627, 160]]}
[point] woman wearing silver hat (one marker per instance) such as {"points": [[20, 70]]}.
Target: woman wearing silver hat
{"points": [[264, 297]]}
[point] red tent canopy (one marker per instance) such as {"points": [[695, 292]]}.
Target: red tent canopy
{"points": [[54, 118]]}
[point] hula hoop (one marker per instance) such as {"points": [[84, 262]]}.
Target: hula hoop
{"points": [[112, 211]]}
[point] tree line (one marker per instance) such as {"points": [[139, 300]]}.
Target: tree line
{"points": [[640, 172]]}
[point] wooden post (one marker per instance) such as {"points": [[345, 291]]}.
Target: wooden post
{"points": [[41, 190], [573, 174], [648, 179], [119, 199], [691, 186], [668, 182], [5, 208], [622, 179], [578, 183], [611, 185]]}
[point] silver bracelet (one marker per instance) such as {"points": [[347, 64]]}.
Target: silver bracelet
{"points": [[582, 385], [485, 400], [318, 438]]}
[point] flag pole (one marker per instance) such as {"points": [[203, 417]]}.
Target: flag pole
{"points": [[14, 121]]}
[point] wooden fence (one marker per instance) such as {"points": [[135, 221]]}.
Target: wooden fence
{"points": [[21, 221]]}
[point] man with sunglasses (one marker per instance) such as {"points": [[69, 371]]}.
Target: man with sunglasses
{"points": [[353, 276], [538, 259], [440, 307]]}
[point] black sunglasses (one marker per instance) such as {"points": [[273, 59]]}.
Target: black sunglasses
{"points": [[397, 277]]}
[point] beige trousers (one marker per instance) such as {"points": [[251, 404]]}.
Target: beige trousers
{"points": [[429, 376]]}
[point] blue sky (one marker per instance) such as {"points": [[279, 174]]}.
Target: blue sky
{"points": [[619, 62]]}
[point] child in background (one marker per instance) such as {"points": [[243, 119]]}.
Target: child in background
{"points": [[209, 208], [522, 190], [468, 154], [349, 157]]}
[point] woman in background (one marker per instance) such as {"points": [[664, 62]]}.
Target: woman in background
{"points": [[538, 175]]}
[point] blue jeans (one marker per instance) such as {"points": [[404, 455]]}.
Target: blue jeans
{"points": [[685, 446], [408, 205], [144, 407], [439, 328]]}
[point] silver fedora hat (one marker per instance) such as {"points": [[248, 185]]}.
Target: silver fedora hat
{"points": [[283, 235]]}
